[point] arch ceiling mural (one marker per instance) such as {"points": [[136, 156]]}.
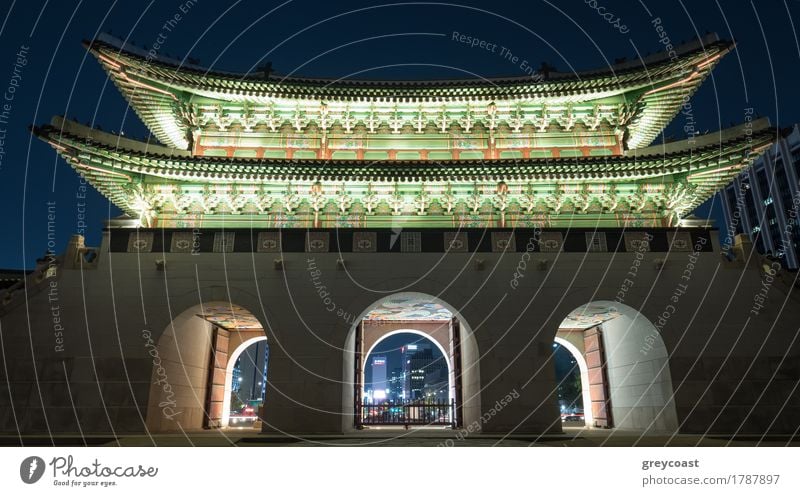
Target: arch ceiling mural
{"points": [[230, 317], [408, 308], [590, 315]]}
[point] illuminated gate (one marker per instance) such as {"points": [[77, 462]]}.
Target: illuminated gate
{"points": [[415, 412]]}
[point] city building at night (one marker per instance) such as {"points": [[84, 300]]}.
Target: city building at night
{"points": [[412, 376], [324, 216], [253, 365], [236, 377], [396, 385], [419, 361], [380, 386], [762, 203], [436, 386]]}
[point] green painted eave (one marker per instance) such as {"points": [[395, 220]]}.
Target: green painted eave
{"points": [[163, 94]]}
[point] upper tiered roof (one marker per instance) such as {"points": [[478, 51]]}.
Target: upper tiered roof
{"points": [[635, 100]]}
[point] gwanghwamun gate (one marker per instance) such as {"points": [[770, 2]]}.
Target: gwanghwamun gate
{"points": [[496, 219]]}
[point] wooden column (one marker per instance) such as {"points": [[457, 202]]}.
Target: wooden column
{"points": [[594, 352], [455, 326], [215, 391]]}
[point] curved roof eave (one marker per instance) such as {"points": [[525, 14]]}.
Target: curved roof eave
{"points": [[75, 140], [154, 86]]}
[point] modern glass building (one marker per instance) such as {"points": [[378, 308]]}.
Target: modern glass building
{"points": [[763, 201], [380, 386]]}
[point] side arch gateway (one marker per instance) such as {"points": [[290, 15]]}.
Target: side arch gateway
{"points": [[626, 364], [192, 364]]}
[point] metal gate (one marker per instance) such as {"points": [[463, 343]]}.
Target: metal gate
{"points": [[406, 414]]}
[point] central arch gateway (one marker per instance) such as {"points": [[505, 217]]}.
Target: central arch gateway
{"points": [[424, 315]]}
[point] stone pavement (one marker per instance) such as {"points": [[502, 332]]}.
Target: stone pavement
{"points": [[572, 436]]}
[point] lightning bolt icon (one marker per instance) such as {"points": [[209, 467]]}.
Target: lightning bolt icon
{"points": [[32, 468]]}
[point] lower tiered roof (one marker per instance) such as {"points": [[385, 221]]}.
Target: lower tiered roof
{"points": [[166, 186]]}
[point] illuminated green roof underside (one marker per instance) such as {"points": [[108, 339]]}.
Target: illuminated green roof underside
{"points": [[163, 186], [633, 100], [266, 151]]}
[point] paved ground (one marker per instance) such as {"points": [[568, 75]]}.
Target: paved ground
{"points": [[390, 437]]}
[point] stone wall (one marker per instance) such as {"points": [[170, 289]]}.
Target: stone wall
{"points": [[729, 369]]}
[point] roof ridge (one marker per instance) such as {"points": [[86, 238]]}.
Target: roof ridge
{"points": [[662, 57]]}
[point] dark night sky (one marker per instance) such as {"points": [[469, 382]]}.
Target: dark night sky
{"points": [[344, 38]]}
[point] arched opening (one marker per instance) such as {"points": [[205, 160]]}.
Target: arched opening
{"points": [[193, 361], [451, 391], [405, 369], [624, 367], [246, 384]]}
